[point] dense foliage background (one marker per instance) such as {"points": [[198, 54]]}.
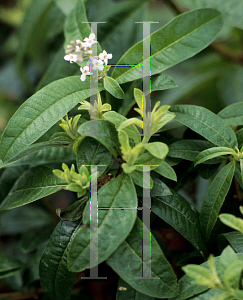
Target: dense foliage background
{"points": [[31, 47]]}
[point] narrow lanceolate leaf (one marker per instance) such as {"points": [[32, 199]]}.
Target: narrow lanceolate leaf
{"points": [[170, 46], [214, 198], [116, 119], [66, 7], [91, 152], [106, 134], [188, 149], [40, 112], [211, 153], [32, 149], [113, 87], [114, 225], [232, 114], [235, 239], [32, 185], [56, 280], [127, 262], [167, 171], [232, 221], [178, 213], [230, 10], [9, 265], [75, 27], [205, 123]]}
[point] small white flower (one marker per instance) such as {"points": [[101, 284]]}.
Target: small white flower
{"points": [[90, 40], [77, 49], [71, 57], [85, 72], [104, 56], [98, 63]]}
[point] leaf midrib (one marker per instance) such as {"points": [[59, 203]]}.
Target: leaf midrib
{"points": [[163, 49]]}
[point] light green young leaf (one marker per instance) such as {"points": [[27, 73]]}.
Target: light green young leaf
{"points": [[138, 95], [171, 46], [40, 112], [137, 178], [227, 257], [205, 123], [232, 274], [232, 114], [116, 119], [214, 198], [157, 149], [119, 192], [200, 274], [113, 87], [129, 122], [107, 135], [56, 281], [33, 185], [230, 10], [211, 153], [166, 170], [232, 221], [127, 262]]}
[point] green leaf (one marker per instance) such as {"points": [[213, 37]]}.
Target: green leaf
{"points": [[232, 221], [40, 112], [117, 193], [232, 114], [33, 16], [113, 87], [66, 7], [56, 280], [57, 69], [198, 273], [32, 149], [159, 188], [74, 28], [157, 149], [188, 149], [127, 262], [197, 30], [91, 152], [235, 239], [33, 185], [137, 178], [214, 198], [232, 274], [227, 257], [162, 82], [205, 123], [116, 119], [107, 135], [211, 153], [239, 135], [74, 212], [178, 213], [166, 171], [230, 10], [9, 265], [126, 292], [120, 21], [147, 159]]}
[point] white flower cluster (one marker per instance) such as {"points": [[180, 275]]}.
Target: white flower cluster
{"points": [[83, 49]]}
